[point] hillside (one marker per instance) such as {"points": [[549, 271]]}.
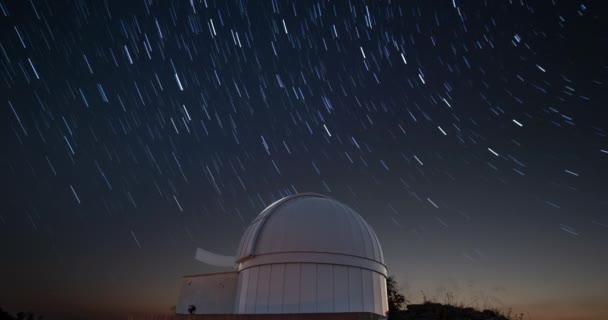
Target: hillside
{"points": [[437, 311]]}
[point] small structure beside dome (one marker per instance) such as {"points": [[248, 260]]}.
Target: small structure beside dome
{"points": [[303, 254]]}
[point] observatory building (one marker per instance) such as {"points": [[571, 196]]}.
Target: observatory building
{"points": [[305, 255]]}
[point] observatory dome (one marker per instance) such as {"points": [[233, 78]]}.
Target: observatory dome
{"points": [[309, 223], [305, 254]]}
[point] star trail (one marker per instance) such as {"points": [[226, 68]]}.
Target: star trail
{"points": [[472, 135]]}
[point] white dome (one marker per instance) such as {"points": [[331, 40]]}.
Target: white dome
{"points": [[303, 254], [310, 223]]}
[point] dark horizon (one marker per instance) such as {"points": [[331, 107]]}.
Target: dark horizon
{"points": [[472, 136]]}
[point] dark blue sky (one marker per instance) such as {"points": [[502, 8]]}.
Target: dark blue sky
{"points": [[471, 135]]}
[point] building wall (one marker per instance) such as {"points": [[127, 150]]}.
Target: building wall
{"points": [[210, 294], [300, 316], [310, 288]]}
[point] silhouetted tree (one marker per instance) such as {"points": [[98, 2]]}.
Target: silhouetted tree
{"points": [[5, 315], [395, 298]]}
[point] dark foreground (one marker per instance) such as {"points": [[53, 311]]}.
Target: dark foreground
{"points": [[437, 311], [426, 311], [301, 316]]}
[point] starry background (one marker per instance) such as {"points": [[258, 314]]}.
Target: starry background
{"points": [[470, 134]]}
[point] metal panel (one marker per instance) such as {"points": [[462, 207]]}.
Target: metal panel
{"points": [[377, 294], [291, 299], [368, 291], [325, 288], [245, 243], [314, 257], [244, 284], [360, 239], [277, 281], [373, 242], [261, 302], [287, 226], [308, 288], [384, 294], [355, 290], [342, 232], [237, 296], [367, 240], [311, 288], [251, 290], [364, 240], [335, 227], [340, 289], [376, 242], [248, 244]]}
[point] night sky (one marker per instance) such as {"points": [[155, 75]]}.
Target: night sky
{"points": [[471, 135]]}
